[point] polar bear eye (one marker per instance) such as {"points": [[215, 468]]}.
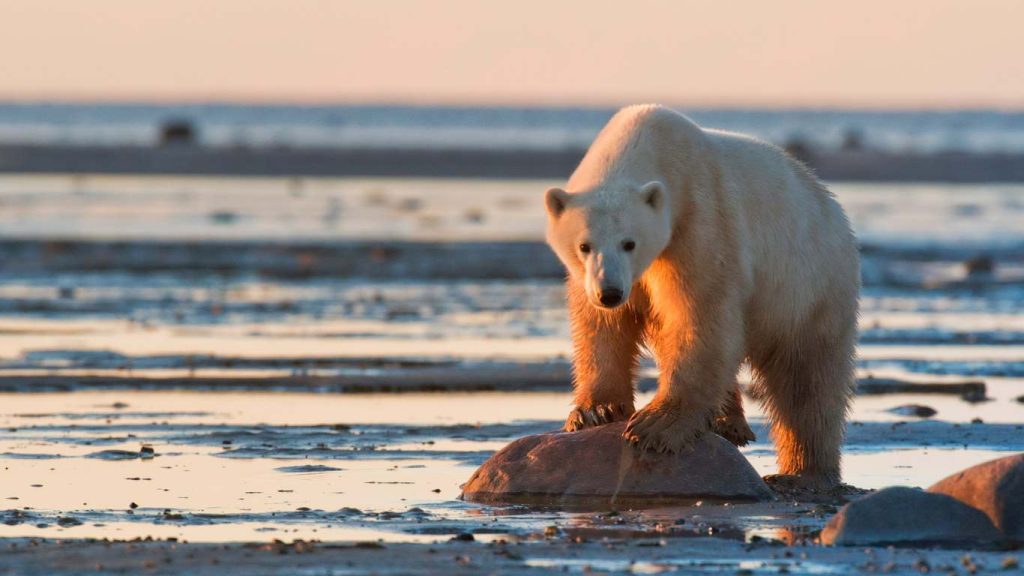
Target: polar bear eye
{"points": [[628, 245], [585, 248]]}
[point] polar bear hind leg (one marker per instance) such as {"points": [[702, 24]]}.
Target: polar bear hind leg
{"points": [[806, 381], [731, 422]]}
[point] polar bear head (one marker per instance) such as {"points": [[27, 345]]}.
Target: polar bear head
{"points": [[608, 237]]}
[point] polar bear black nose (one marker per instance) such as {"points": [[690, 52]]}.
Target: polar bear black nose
{"points": [[611, 296]]}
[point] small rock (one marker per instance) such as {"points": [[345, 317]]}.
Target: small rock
{"points": [[996, 488], [475, 215], [307, 469], [223, 217], [916, 410], [901, 515], [417, 512], [596, 466], [982, 265], [974, 395], [1010, 563], [410, 204], [114, 455], [464, 537]]}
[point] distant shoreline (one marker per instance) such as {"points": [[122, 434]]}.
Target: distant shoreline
{"points": [[399, 260], [831, 165]]}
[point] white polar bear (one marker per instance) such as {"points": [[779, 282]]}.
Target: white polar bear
{"points": [[710, 248]]}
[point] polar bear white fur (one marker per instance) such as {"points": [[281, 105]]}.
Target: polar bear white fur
{"points": [[708, 248]]}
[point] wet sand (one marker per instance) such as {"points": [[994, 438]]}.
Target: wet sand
{"points": [[654, 552]]}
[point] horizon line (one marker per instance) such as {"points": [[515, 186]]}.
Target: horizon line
{"points": [[470, 102]]}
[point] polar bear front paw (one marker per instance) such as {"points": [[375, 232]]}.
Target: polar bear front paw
{"points": [[597, 415], [664, 427]]}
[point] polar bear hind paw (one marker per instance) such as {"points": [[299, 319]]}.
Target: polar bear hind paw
{"points": [[734, 429]]}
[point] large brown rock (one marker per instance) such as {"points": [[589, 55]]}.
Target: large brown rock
{"points": [[596, 467], [901, 515], [996, 488]]}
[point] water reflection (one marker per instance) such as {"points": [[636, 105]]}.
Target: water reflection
{"points": [[237, 466]]}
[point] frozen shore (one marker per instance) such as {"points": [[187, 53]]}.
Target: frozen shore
{"points": [[831, 165]]}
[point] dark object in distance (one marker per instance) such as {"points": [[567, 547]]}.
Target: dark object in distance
{"points": [[177, 132], [981, 265], [853, 139], [800, 149], [970, 391]]}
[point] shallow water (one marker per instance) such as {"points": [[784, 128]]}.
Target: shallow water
{"points": [[242, 466], [975, 216], [233, 379]]}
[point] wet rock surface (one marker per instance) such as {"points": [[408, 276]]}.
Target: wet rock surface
{"points": [[908, 516], [597, 467], [996, 488], [915, 410]]}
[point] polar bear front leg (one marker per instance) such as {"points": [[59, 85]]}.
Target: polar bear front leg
{"points": [[698, 355], [606, 351]]}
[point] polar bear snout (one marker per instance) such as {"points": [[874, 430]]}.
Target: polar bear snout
{"points": [[608, 279], [610, 297]]}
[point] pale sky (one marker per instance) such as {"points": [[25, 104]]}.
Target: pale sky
{"points": [[909, 53]]}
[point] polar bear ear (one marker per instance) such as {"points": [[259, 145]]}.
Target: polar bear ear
{"points": [[556, 199], [653, 194]]}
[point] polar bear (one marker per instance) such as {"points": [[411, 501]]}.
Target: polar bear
{"points": [[708, 248]]}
